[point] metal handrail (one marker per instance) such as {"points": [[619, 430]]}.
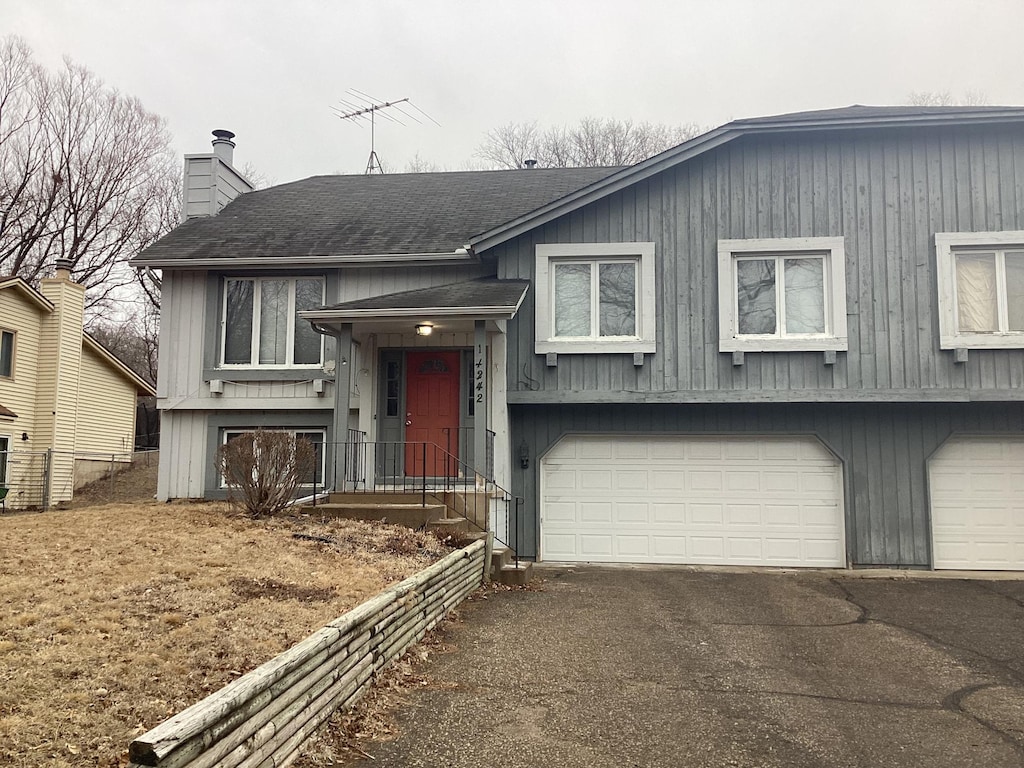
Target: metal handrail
{"points": [[425, 468]]}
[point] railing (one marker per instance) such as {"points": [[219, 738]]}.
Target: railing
{"points": [[461, 442], [428, 471]]}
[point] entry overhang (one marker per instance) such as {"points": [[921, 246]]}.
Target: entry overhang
{"points": [[458, 304]]}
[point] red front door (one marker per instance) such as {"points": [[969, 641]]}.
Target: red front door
{"points": [[432, 413]]}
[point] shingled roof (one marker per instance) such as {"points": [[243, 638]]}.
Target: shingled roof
{"points": [[330, 216], [483, 296], [881, 114]]}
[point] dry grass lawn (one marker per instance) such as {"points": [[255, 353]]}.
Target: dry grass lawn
{"points": [[113, 618]]}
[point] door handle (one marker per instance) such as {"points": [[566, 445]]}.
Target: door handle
{"points": [[408, 422]]}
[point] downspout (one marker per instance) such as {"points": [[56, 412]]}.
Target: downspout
{"points": [[342, 397]]}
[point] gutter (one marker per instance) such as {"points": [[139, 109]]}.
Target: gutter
{"points": [[459, 255]]}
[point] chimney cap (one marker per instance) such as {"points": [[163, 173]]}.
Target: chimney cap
{"points": [[221, 135], [530, 164], [63, 264]]}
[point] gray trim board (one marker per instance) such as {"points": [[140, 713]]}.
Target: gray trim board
{"points": [[526, 397]]}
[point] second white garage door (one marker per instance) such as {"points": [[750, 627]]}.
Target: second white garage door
{"points": [[977, 503], [696, 500]]}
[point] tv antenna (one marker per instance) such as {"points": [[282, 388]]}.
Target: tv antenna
{"points": [[361, 107]]}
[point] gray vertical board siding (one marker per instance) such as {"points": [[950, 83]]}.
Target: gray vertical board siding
{"points": [[886, 192], [182, 455], [184, 318], [365, 282], [883, 449]]}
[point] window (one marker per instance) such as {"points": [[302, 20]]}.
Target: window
{"points": [[981, 289], [782, 294], [315, 436], [595, 297], [6, 354], [260, 323], [5, 448]]}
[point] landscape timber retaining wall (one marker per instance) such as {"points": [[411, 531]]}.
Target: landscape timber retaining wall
{"points": [[263, 717]]}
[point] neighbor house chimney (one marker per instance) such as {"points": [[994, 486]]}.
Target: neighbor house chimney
{"points": [[62, 269], [223, 146]]}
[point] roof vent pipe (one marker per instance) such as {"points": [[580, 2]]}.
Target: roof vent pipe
{"points": [[530, 164], [223, 146]]}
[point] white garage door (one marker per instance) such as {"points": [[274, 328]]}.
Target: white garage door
{"points": [[699, 500], [977, 500]]}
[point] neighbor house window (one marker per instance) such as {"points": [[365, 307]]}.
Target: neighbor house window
{"points": [[261, 326], [596, 297], [981, 289], [5, 448], [782, 294], [316, 437], [6, 354]]}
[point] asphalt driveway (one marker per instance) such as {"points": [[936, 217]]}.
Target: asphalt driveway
{"points": [[673, 667]]}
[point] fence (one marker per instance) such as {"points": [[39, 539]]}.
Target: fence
{"points": [[263, 717], [42, 479]]}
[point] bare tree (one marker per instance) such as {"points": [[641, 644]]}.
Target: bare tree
{"points": [[970, 98], [133, 339], [590, 142], [88, 174]]}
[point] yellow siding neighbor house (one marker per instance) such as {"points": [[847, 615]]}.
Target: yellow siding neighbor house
{"points": [[65, 401]]}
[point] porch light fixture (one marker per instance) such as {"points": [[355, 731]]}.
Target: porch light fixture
{"points": [[424, 329]]}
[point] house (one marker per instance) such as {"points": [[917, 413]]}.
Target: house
{"points": [[794, 340], [66, 402]]}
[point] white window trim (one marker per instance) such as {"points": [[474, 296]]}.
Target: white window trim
{"points": [[835, 336], [288, 430], [254, 348], [946, 244], [544, 336], [5, 461], [14, 352]]}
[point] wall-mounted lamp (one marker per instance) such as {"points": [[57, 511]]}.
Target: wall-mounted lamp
{"points": [[524, 455], [24, 436], [424, 329]]}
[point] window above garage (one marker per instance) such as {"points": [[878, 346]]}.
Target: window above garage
{"points": [[981, 289], [782, 294], [595, 297]]}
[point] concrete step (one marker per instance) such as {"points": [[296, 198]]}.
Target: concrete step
{"points": [[512, 575], [395, 497], [500, 557], [409, 515], [504, 569]]}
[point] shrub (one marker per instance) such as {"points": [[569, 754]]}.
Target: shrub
{"points": [[264, 469]]}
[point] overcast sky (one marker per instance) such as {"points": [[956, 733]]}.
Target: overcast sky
{"points": [[271, 71]]}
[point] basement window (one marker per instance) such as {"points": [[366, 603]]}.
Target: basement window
{"points": [[316, 437]]}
